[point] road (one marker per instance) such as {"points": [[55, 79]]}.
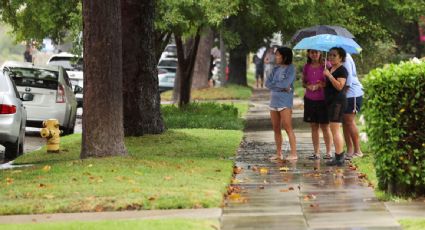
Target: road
{"points": [[33, 140]]}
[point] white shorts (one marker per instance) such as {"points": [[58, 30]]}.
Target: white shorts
{"points": [[277, 109]]}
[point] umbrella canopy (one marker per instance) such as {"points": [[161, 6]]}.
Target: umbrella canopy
{"points": [[321, 29], [325, 42]]}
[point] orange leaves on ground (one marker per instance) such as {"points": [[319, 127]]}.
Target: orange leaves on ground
{"points": [[9, 181], [309, 197], [283, 169], [168, 178], [46, 168], [49, 196], [361, 176], [264, 170], [237, 170]]}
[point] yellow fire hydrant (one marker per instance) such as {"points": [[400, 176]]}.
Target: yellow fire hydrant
{"points": [[51, 132]]}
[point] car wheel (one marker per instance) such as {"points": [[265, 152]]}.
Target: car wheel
{"points": [[70, 129], [12, 150]]}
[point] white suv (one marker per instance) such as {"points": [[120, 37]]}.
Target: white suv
{"points": [[50, 90], [74, 67]]}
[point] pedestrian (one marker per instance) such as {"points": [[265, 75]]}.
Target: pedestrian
{"points": [[28, 54], [336, 77], [269, 61], [354, 92], [280, 82], [315, 111], [259, 71]]}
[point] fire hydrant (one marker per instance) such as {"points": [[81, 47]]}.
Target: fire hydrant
{"points": [[51, 132]]}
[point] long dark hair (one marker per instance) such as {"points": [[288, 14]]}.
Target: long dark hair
{"points": [[309, 61], [286, 52]]}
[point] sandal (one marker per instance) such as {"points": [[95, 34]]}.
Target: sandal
{"points": [[275, 158], [314, 156], [288, 158], [327, 157], [355, 155]]}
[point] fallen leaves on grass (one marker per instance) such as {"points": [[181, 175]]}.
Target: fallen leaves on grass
{"points": [[283, 169], [9, 181], [168, 178], [309, 197], [237, 170], [46, 168], [49, 196], [264, 170]]}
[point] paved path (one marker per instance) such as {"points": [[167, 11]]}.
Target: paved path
{"points": [[304, 194]]}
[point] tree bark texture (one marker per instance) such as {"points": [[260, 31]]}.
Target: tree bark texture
{"points": [[103, 130], [201, 70], [238, 65], [186, 54], [142, 112]]}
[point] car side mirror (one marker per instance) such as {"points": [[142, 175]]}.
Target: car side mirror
{"points": [[78, 89], [27, 97]]}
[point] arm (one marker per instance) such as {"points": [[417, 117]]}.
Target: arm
{"points": [[338, 83]]}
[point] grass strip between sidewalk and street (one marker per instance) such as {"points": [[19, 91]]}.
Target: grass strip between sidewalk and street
{"points": [[181, 168], [175, 224]]}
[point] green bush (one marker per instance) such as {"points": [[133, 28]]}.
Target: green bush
{"points": [[208, 115], [394, 111]]}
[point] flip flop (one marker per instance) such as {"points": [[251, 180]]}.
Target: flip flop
{"points": [[289, 158], [314, 156], [355, 155], [275, 158], [327, 157]]}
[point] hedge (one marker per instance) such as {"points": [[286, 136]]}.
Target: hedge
{"points": [[395, 116]]}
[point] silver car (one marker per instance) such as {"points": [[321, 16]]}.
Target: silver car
{"points": [[50, 90], [13, 118]]}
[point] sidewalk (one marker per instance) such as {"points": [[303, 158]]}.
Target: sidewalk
{"points": [[305, 194]]}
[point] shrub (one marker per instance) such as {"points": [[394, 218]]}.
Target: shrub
{"points": [[394, 111]]}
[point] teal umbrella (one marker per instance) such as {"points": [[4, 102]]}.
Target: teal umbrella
{"points": [[324, 42]]}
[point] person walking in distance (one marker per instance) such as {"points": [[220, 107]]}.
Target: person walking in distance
{"points": [[259, 71], [354, 91], [269, 61], [315, 111], [28, 54], [280, 82]]}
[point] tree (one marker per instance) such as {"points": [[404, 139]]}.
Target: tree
{"points": [[186, 19], [203, 60], [103, 129], [142, 114]]}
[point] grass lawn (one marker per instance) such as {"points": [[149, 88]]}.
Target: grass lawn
{"points": [[175, 224], [185, 168], [228, 92], [413, 224], [181, 168]]}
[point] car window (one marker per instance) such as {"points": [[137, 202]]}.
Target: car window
{"points": [[38, 78], [171, 49], [170, 63], [15, 89], [69, 63]]}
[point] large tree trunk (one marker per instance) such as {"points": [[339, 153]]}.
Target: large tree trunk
{"points": [[142, 113], [238, 65], [202, 70], [186, 55], [103, 130]]}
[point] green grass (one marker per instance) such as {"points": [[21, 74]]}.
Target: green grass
{"points": [[188, 168], [174, 224], [205, 115], [228, 92], [413, 224]]}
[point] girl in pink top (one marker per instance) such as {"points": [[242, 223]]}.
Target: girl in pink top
{"points": [[315, 111]]}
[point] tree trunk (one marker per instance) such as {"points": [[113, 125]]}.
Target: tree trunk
{"points": [[202, 69], [186, 55], [103, 130], [142, 112], [238, 65]]}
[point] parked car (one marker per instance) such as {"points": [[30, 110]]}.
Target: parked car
{"points": [[170, 51], [74, 67], [13, 118], [166, 81], [169, 64], [50, 93]]}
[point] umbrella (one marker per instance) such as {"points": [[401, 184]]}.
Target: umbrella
{"points": [[324, 42], [321, 29]]}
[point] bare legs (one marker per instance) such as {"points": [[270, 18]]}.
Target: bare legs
{"points": [[351, 134], [259, 82], [283, 119], [337, 137], [327, 136]]}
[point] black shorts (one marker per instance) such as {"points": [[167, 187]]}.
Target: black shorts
{"points": [[336, 110], [315, 111], [354, 104]]}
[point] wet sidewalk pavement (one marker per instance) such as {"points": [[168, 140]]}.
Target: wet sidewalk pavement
{"points": [[302, 194]]}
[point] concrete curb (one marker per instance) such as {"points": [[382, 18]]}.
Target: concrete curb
{"points": [[207, 213]]}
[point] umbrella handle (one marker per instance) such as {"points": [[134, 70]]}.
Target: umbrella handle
{"points": [[326, 59]]}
